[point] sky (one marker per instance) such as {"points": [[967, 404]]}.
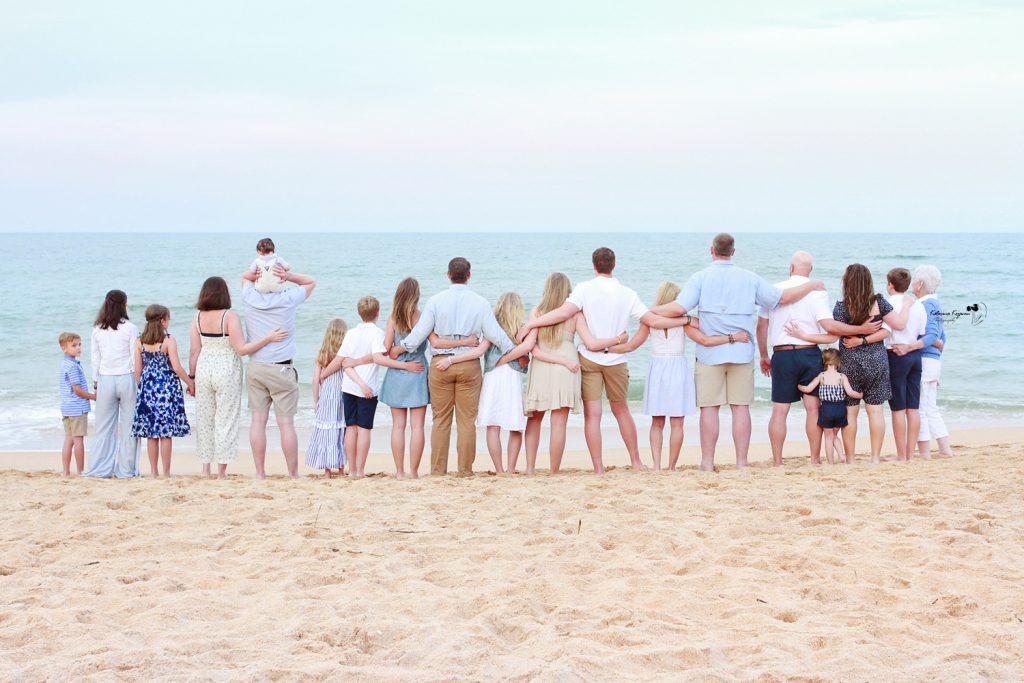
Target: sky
{"points": [[537, 115]]}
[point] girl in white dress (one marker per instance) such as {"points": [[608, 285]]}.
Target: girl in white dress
{"points": [[327, 441], [669, 391], [501, 395]]}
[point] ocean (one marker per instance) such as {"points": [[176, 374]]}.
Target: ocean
{"points": [[64, 277]]}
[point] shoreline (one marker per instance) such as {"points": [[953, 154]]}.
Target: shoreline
{"points": [[380, 461]]}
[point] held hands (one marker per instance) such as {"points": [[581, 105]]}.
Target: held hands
{"points": [[414, 366]]}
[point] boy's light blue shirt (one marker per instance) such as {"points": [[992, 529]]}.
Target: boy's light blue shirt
{"points": [[727, 298], [455, 313], [71, 373]]}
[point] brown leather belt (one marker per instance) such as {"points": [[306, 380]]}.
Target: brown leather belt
{"points": [[793, 347]]}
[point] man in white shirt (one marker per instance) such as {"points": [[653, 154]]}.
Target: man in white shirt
{"points": [[608, 307], [905, 364], [795, 361]]}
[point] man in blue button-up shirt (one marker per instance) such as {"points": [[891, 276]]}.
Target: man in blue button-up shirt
{"points": [[456, 313], [727, 297]]}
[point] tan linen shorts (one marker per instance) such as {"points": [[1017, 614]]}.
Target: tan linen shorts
{"points": [[613, 379], [273, 384], [77, 425], [724, 384]]}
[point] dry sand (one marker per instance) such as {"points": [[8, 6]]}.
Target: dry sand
{"points": [[894, 572]]}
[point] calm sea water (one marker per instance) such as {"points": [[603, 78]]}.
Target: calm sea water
{"points": [[59, 280]]}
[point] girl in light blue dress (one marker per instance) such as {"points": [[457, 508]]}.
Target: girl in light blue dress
{"points": [[327, 441]]}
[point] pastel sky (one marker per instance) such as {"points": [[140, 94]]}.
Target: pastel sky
{"points": [[218, 115]]}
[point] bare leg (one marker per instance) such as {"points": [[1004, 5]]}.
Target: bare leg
{"points": [[416, 440], [777, 431], [398, 421], [515, 442], [840, 453], [207, 469], [813, 431], [708, 437], [258, 441], [741, 433], [222, 470], [675, 441], [350, 450], [79, 454], [592, 433], [627, 428], [850, 433], [363, 446], [153, 450], [830, 438], [165, 456], [65, 455], [533, 423], [913, 429], [559, 419], [876, 423], [899, 432], [657, 434], [289, 444], [494, 447]]}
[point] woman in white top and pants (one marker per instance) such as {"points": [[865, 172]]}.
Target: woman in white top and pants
{"points": [[115, 452]]}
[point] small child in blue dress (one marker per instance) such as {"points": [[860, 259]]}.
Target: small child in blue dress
{"points": [[833, 388], [160, 407], [327, 441]]}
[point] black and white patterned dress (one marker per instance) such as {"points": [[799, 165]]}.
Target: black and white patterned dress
{"points": [[866, 366]]}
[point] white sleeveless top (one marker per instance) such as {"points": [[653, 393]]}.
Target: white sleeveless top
{"points": [[672, 345]]}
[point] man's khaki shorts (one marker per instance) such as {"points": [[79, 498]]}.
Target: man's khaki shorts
{"points": [[273, 384], [613, 379], [724, 384], [77, 425]]}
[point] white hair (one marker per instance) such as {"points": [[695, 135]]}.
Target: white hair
{"points": [[929, 277]]}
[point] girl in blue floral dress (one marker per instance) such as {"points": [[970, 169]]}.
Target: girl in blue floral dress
{"points": [[160, 408]]}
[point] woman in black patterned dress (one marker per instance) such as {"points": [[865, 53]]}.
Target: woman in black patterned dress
{"points": [[863, 357]]}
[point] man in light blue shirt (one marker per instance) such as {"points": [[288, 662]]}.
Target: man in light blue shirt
{"points": [[271, 378], [456, 313], [727, 297]]}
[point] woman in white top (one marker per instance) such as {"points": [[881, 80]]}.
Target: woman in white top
{"points": [[115, 452], [669, 391]]}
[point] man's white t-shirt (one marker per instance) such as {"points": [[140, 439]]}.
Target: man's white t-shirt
{"points": [[364, 339], [607, 305], [806, 312]]}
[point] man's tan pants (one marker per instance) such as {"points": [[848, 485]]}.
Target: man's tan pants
{"points": [[457, 390]]}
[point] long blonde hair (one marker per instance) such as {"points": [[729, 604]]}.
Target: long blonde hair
{"points": [[557, 289], [333, 336], [510, 313], [403, 308], [667, 293]]}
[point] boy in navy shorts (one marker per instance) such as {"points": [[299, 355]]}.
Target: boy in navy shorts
{"points": [[360, 385]]}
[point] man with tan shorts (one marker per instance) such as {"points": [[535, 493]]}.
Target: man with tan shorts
{"points": [[270, 377], [727, 297], [608, 307]]}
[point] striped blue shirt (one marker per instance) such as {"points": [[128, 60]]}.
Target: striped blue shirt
{"points": [[71, 373]]}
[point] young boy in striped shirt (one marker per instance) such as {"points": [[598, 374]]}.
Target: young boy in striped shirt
{"points": [[74, 403]]}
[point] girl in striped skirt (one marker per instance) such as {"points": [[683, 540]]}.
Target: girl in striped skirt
{"points": [[327, 442]]}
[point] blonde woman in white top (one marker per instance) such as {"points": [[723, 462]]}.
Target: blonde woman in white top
{"points": [[115, 452], [669, 391]]}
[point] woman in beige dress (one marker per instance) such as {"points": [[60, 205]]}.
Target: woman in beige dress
{"points": [[553, 382]]}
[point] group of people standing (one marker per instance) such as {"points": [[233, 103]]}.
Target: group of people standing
{"points": [[889, 351]]}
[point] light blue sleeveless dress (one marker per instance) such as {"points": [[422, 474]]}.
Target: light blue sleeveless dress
{"points": [[404, 389]]}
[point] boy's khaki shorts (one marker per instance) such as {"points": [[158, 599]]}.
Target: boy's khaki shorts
{"points": [[273, 384], [77, 425], [724, 384], [613, 379]]}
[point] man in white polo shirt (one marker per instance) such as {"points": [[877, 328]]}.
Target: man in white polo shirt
{"points": [[608, 307]]}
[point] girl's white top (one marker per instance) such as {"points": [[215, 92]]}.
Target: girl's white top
{"points": [[672, 345], [112, 350]]}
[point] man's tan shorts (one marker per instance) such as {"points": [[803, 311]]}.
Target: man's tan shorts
{"points": [[272, 383], [613, 379], [77, 425], [725, 384]]}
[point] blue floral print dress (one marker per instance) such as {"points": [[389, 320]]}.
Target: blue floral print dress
{"points": [[160, 408]]}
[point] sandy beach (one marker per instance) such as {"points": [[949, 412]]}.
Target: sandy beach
{"points": [[901, 572]]}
